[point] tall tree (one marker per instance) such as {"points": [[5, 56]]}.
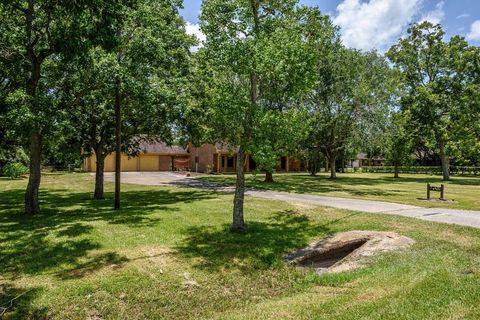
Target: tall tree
{"points": [[145, 71], [399, 142], [433, 81], [283, 130], [37, 35], [467, 133], [249, 46], [353, 91]]}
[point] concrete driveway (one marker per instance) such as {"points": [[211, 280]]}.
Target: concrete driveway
{"points": [[166, 178], [453, 216]]}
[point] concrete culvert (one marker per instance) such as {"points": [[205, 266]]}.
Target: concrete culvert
{"points": [[346, 251]]}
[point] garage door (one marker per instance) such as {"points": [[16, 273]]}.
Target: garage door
{"points": [[165, 163], [149, 163], [129, 164], [110, 163]]}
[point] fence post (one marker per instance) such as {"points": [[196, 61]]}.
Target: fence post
{"points": [[428, 191], [442, 188]]}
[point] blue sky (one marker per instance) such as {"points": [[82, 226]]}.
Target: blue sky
{"points": [[377, 24]]}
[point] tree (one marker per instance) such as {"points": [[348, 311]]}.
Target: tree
{"points": [[433, 79], [466, 144], [251, 47], [281, 135], [399, 142], [352, 94], [36, 33], [145, 71]]}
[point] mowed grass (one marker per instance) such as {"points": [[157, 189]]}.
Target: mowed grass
{"points": [[168, 254], [464, 191]]}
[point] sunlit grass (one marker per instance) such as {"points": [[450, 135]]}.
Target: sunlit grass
{"points": [[464, 191], [168, 254]]}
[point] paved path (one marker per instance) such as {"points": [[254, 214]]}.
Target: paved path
{"points": [[460, 217], [454, 216]]}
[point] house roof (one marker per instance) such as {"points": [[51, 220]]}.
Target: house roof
{"points": [[225, 148], [162, 148], [364, 156]]}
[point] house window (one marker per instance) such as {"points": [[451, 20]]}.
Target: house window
{"points": [[283, 163], [252, 163], [230, 162]]}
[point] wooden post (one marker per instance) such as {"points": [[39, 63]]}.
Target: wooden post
{"points": [[428, 191], [442, 189]]}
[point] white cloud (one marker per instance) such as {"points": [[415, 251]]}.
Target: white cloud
{"points": [[474, 34], [375, 23], [436, 15], [194, 29], [463, 15]]}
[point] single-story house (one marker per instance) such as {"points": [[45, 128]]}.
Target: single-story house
{"points": [[362, 160], [207, 158]]}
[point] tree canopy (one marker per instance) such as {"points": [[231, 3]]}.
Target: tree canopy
{"points": [[258, 60], [434, 78]]}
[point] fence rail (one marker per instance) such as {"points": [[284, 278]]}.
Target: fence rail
{"points": [[437, 170]]}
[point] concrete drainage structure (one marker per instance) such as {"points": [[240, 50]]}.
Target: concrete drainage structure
{"points": [[346, 251]]}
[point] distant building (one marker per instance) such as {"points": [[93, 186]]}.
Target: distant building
{"points": [[362, 160], [207, 158]]}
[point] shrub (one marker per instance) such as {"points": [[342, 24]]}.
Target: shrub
{"points": [[433, 170], [14, 170]]}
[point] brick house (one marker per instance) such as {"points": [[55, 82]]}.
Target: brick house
{"points": [[206, 158]]}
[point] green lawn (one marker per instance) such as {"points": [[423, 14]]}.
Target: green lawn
{"points": [[168, 255], [465, 191]]}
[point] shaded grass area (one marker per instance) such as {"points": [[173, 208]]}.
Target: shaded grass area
{"points": [[168, 254], [465, 191]]}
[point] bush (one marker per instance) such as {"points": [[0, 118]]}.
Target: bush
{"points": [[14, 170], [433, 170]]}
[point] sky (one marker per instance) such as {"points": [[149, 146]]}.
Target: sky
{"points": [[377, 24]]}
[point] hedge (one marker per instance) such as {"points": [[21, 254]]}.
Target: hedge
{"points": [[14, 170], [455, 170]]}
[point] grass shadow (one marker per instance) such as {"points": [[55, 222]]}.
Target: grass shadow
{"points": [[17, 303], [261, 247], [94, 264], [305, 183], [58, 238]]}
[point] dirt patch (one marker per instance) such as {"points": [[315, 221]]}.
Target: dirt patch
{"points": [[346, 251]]}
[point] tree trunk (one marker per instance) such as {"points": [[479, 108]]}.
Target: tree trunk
{"points": [[99, 177], [397, 170], [445, 162], [32, 205], [118, 144], [238, 224], [313, 170], [238, 221], [333, 171], [268, 177], [313, 165]]}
